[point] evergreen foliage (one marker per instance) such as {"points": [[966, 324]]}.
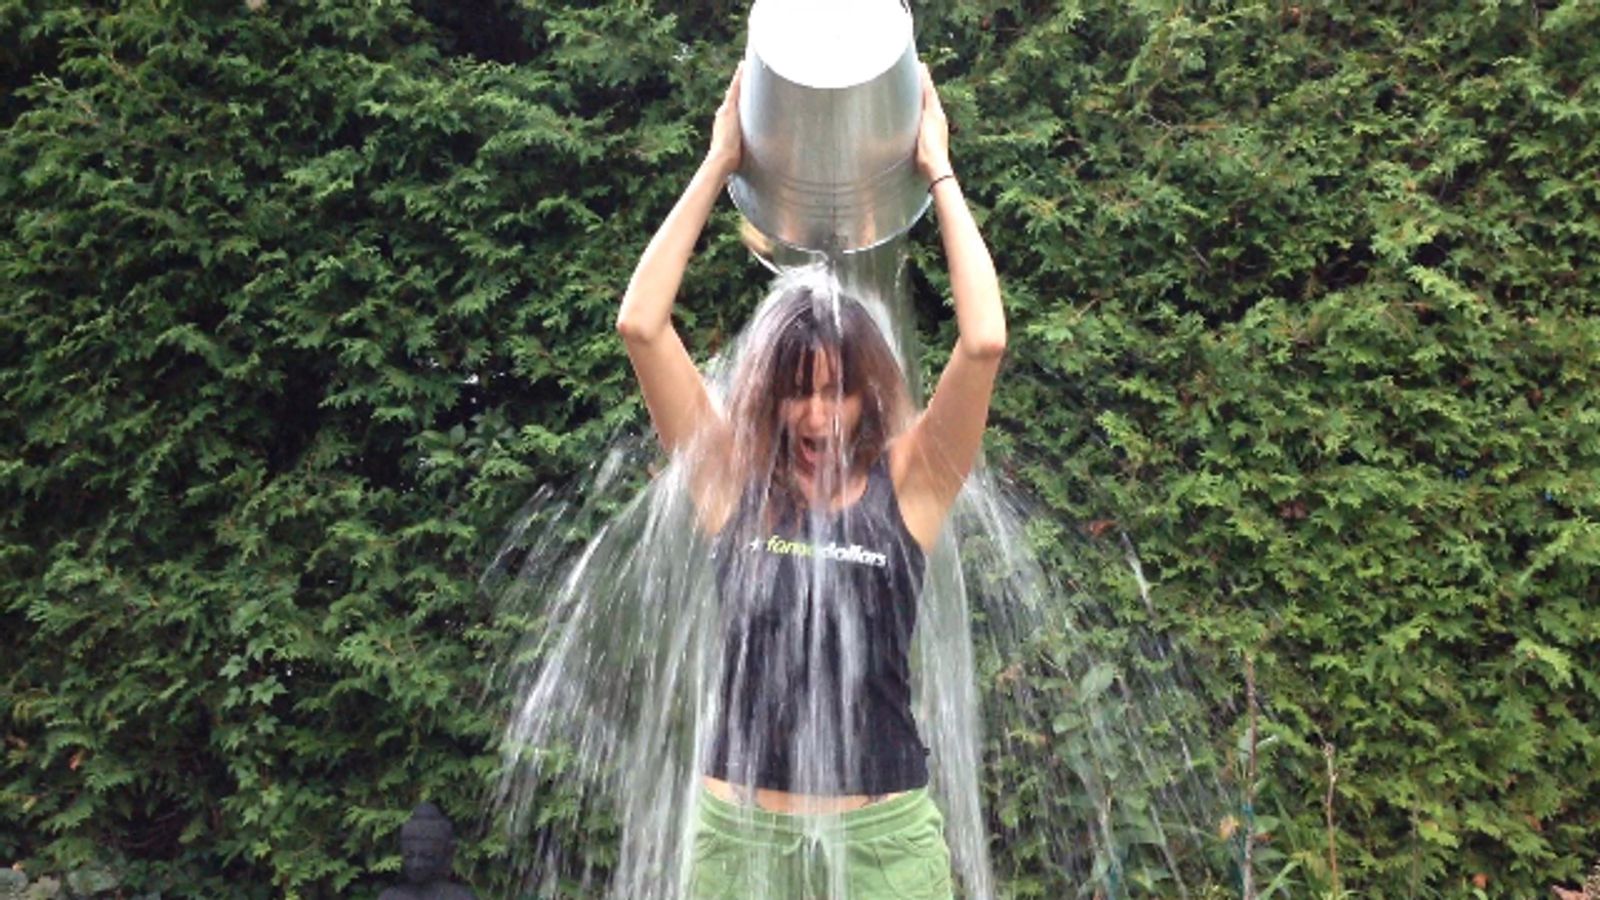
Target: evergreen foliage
{"points": [[302, 300]]}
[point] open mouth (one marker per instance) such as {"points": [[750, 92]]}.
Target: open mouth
{"points": [[809, 451]]}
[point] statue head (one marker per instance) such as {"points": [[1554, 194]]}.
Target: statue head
{"points": [[427, 846]]}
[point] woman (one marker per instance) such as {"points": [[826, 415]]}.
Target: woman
{"points": [[822, 491]]}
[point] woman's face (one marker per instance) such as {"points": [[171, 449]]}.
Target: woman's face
{"points": [[820, 423]]}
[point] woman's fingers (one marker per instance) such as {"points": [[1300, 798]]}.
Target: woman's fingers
{"points": [[730, 97], [726, 142], [930, 94], [933, 116], [933, 142]]}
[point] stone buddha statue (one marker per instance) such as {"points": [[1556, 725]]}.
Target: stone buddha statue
{"points": [[427, 853]]}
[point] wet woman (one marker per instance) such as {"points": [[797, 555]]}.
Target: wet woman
{"points": [[822, 491]]}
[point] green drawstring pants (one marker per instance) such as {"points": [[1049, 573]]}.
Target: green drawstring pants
{"points": [[893, 849]]}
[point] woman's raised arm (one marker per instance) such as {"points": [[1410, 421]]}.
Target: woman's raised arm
{"points": [[933, 458], [674, 391]]}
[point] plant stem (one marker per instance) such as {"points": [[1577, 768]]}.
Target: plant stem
{"points": [[1327, 812], [1249, 885]]}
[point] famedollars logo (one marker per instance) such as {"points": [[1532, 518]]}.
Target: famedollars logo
{"points": [[854, 553]]}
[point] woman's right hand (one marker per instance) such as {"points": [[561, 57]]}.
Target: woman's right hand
{"points": [[727, 142]]}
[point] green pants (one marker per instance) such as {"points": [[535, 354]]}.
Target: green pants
{"points": [[893, 849]]}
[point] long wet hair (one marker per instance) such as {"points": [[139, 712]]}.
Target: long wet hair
{"points": [[803, 317]]}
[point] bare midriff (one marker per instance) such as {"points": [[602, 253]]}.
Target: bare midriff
{"points": [[792, 804]]}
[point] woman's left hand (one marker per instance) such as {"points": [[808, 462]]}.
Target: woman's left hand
{"points": [[933, 135]]}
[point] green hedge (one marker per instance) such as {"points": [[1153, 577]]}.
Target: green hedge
{"points": [[301, 301]]}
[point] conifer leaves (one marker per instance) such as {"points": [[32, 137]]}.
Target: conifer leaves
{"points": [[1326, 379], [247, 280], [301, 301]]}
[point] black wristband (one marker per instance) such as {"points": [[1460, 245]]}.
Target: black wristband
{"points": [[935, 183]]}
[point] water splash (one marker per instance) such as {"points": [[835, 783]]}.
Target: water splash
{"points": [[620, 682]]}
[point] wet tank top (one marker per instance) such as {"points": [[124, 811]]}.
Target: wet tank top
{"points": [[817, 614]]}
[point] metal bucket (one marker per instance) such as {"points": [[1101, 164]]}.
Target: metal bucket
{"points": [[830, 105]]}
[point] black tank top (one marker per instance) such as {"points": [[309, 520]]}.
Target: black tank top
{"points": [[817, 617]]}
